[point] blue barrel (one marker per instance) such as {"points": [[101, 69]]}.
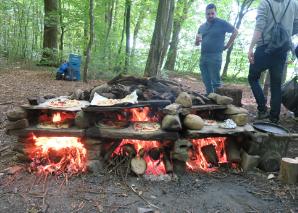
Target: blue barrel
{"points": [[74, 67]]}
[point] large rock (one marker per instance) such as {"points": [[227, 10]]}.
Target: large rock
{"points": [[219, 99], [82, 120], [181, 149], [16, 114], [171, 122], [193, 122], [172, 109], [233, 110], [20, 124], [184, 99], [104, 88], [240, 119]]}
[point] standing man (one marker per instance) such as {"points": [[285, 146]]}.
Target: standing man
{"points": [[269, 56], [212, 36]]}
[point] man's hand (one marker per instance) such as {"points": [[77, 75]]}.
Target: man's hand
{"points": [[198, 39], [250, 56]]}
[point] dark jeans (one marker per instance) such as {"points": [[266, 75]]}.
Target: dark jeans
{"points": [[275, 63], [210, 65]]}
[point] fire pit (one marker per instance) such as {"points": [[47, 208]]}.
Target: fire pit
{"points": [[152, 136]]}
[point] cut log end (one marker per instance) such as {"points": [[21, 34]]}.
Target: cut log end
{"points": [[289, 170]]}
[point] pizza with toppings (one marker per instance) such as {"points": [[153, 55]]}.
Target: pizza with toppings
{"points": [[58, 103], [146, 126]]}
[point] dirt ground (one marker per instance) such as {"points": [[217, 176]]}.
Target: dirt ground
{"points": [[221, 191]]}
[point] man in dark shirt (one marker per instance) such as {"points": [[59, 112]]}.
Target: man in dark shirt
{"points": [[212, 36]]}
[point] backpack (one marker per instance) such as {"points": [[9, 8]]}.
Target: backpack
{"points": [[280, 39]]}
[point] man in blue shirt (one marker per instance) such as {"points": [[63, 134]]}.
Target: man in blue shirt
{"points": [[211, 35]]}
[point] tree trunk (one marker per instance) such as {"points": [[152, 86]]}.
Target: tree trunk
{"points": [[160, 38], [49, 55], [62, 28], [178, 21], [243, 10], [88, 52], [137, 28], [127, 32]]}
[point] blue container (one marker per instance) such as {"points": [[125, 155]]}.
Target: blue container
{"points": [[74, 67]]}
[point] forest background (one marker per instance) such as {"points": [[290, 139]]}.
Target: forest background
{"points": [[138, 37]]}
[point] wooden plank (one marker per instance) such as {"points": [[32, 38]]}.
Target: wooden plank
{"points": [[216, 130], [130, 133], [207, 107], [151, 103], [48, 132], [38, 107]]}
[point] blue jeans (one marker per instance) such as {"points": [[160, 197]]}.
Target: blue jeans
{"points": [[274, 63], [210, 65]]}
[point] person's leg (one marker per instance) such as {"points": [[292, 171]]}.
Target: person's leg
{"points": [[215, 66], [255, 70], [205, 74], [276, 72]]}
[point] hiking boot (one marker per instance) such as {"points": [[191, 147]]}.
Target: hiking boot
{"points": [[273, 120], [262, 115]]}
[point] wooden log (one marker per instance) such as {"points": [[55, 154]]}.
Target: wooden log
{"points": [[168, 164], [138, 165], [289, 170], [270, 161], [129, 150], [154, 153], [210, 155], [249, 162], [233, 151], [234, 93]]}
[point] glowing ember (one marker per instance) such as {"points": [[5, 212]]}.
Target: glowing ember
{"points": [[142, 148], [197, 159], [58, 155], [56, 117]]}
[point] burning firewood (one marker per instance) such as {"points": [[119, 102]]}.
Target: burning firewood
{"points": [[210, 155], [129, 150], [138, 165], [289, 170], [154, 153]]}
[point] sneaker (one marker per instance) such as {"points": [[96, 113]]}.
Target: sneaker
{"points": [[262, 115], [273, 120]]}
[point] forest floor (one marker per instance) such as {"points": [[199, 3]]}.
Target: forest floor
{"points": [[221, 191]]}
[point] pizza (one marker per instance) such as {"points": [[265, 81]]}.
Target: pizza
{"points": [[146, 126], [108, 102], [58, 103]]}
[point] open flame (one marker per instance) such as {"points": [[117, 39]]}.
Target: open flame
{"points": [[139, 114], [57, 155], [56, 117], [197, 159], [142, 148]]}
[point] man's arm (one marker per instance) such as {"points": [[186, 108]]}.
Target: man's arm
{"points": [[255, 38], [232, 39]]}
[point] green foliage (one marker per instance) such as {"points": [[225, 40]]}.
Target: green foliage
{"points": [[22, 22]]}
